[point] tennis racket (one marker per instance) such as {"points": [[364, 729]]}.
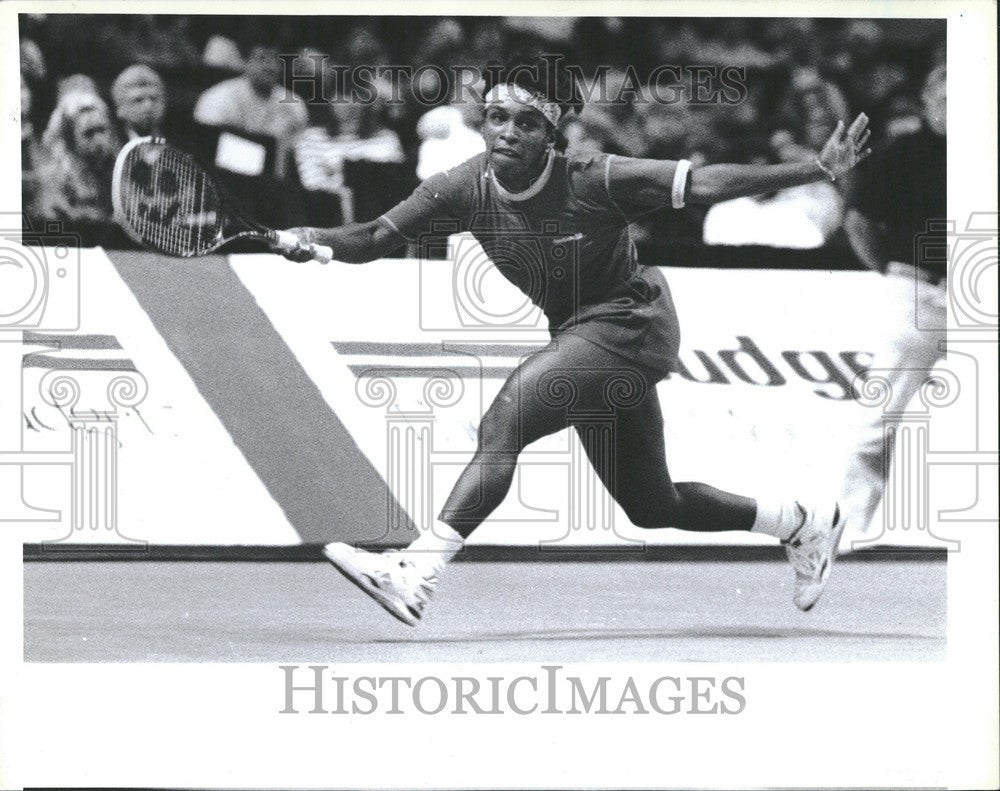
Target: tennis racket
{"points": [[167, 202]]}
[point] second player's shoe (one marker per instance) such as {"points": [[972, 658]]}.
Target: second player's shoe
{"points": [[811, 550], [400, 585]]}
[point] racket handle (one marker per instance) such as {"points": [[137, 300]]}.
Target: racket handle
{"points": [[288, 242]]}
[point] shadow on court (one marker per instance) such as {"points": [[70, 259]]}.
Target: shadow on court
{"points": [[657, 634], [150, 611]]}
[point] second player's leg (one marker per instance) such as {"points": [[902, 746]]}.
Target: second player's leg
{"points": [[900, 368]]}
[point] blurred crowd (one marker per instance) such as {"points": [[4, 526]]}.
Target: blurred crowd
{"points": [[89, 83]]}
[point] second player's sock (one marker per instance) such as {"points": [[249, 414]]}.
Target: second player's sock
{"points": [[780, 520], [437, 546]]}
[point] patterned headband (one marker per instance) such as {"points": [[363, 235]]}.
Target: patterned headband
{"points": [[501, 93]]}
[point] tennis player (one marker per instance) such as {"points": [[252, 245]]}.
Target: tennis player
{"points": [[613, 325]]}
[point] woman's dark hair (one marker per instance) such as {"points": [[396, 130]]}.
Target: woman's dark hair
{"points": [[548, 77]]}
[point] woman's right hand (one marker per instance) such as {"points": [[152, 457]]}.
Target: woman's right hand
{"points": [[296, 244]]}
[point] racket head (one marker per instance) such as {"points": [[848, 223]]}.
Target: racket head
{"points": [[166, 201]]}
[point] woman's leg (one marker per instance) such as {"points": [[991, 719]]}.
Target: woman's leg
{"points": [[573, 382], [633, 466], [570, 379], [531, 404]]}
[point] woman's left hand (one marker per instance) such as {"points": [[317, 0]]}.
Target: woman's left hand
{"points": [[845, 150]]}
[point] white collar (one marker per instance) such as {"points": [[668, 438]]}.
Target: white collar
{"points": [[531, 191]]}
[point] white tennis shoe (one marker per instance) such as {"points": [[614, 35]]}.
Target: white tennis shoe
{"points": [[811, 550], [400, 585]]}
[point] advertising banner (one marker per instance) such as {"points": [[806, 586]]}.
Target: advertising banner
{"points": [[247, 400]]}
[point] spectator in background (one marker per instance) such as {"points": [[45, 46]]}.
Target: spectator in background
{"points": [[30, 154], [810, 106], [354, 131], [449, 134], [803, 217], [256, 103], [883, 81], [443, 43], [76, 83], [486, 40], [614, 96], [670, 132], [852, 50], [892, 201], [902, 116], [539, 33], [140, 100], [365, 46], [32, 61], [591, 131], [35, 85], [790, 40], [78, 152], [221, 52], [446, 141], [160, 40], [726, 42]]}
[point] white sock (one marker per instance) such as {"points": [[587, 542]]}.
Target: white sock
{"points": [[780, 520], [436, 546]]}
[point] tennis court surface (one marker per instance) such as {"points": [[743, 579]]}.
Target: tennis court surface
{"points": [[890, 608]]}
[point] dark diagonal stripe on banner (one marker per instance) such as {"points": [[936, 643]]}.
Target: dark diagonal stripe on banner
{"points": [[434, 349], [53, 359], [470, 373], [53, 363], [271, 408], [72, 340]]}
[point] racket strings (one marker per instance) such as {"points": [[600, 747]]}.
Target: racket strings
{"points": [[169, 201]]}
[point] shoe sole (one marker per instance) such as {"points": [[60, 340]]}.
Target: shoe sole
{"points": [[838, 533], [360, 580]]}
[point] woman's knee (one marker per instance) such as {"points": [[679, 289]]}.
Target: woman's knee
{"points": [[498, 430], [651, 510], [672, 505]]}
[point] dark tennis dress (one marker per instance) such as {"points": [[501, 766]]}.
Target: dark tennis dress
{"points": [[565, 243]]}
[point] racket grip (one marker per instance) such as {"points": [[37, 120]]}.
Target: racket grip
{"points": [[288, 242], [321, 253]]}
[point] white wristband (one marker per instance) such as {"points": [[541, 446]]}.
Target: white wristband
{"points": [[680, 182]]}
